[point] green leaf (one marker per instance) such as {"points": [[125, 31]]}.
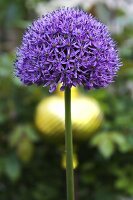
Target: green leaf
{"points": [[12, 167], [106, 148], [22, 131], [104, 143]]}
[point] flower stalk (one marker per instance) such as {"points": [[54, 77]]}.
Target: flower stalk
{"points": [[69, 146]]}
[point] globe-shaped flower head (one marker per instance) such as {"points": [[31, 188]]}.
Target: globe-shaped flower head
{"points": [[70, 47]]}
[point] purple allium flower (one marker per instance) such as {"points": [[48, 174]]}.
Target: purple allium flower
{"points": [[67, 46]]}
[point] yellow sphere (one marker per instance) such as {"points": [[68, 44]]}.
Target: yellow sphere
{"points": [[86, 116]]}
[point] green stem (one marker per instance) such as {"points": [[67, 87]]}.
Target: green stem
{"points": [[69, 146]]}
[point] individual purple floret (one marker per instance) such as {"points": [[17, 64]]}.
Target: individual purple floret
{"points": [[67, 46]]}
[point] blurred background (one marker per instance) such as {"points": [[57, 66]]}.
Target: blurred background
{"points": [[32, 159]]}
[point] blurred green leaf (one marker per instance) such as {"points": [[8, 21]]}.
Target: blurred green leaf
{"points": [[21, 132], [107, 142], [106, 148], [104, 144], [12, 167]]}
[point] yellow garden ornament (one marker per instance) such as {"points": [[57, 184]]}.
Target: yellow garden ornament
{"points": [[75, 161], [86, 116]]}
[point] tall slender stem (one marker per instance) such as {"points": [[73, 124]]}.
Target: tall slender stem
{"points": [[69, 146]]}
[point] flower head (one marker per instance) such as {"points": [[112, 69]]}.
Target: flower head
{"points": [[67, 46]]}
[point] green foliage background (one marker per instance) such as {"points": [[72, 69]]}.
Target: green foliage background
{"points": [[30, 167]]}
